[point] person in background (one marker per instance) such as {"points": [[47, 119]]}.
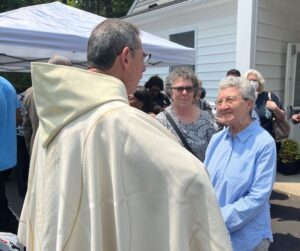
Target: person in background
{"points": [[265, 108], [8, 150], [141, 100], [296, 118], [22, 167], [195, 124], [201, 101], [30, 119], [155, 85], [96, 181], [233, 72], [241, 162]]}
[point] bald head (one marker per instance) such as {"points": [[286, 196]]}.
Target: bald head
{"points": [[60, 60]]}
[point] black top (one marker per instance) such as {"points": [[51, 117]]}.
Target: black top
{"points": [[160, 102], [265, 115]]}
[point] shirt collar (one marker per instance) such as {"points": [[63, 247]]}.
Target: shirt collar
{"points": [[246, 133]]}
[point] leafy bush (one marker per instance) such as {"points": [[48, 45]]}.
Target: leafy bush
{"points": [[289, 151]]}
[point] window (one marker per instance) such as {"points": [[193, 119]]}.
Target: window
{"points": [[186, 39], [297, 83]]}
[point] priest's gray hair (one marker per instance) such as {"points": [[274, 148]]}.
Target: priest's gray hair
{"points": [[108, 40]]}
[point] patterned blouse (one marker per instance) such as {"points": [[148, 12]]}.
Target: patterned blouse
{"points": [[197, 134]]}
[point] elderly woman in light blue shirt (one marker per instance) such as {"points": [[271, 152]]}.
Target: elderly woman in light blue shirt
{"points": [[241, 162]]}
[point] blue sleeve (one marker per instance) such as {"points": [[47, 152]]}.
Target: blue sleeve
{"points": [[2, 108], [240, 212]]}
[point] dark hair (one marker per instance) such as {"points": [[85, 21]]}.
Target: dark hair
{"points": [[143, 95], [108, 40], [233, 72], [155, 80], [203, 93]]}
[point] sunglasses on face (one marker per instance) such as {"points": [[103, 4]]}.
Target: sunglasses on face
{"points": [[180, 89]]}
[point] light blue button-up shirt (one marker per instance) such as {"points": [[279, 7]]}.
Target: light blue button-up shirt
{"points": [[242, 170]]}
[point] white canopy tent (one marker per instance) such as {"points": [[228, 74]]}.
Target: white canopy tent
{"points": [[37, 32]]}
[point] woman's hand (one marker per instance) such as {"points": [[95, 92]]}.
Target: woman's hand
{"points": [[271, 105], [296, 118], [279, 113]]}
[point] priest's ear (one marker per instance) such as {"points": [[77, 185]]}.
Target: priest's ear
{"points": [[125, 57]]}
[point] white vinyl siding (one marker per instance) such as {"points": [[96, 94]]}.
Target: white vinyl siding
{"points": [[278, 22], [161, 71], [273, 24], [215, 37], [216, 50], [142, 5]]}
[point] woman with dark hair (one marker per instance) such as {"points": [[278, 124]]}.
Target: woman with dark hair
{"points": [[234, 73], [141, 100], [155, 85]]}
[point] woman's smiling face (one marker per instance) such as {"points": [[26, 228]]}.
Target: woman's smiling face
{"points": [[232, 107]]}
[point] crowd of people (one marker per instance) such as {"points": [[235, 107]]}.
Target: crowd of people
{"points": [[117, 166]]}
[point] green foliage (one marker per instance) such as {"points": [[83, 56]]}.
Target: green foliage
{"points": [[106, 8], [21, 81], [289, 151], [7, 5], [120, 8]]}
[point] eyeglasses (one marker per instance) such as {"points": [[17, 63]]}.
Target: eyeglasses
{"points": [[180, 89], [228, 100], [146, 57]]}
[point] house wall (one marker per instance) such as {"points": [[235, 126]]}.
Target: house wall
{"points": [[143, 5], [214, 23], [216, 46], [278, 23], [215, 26]]}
